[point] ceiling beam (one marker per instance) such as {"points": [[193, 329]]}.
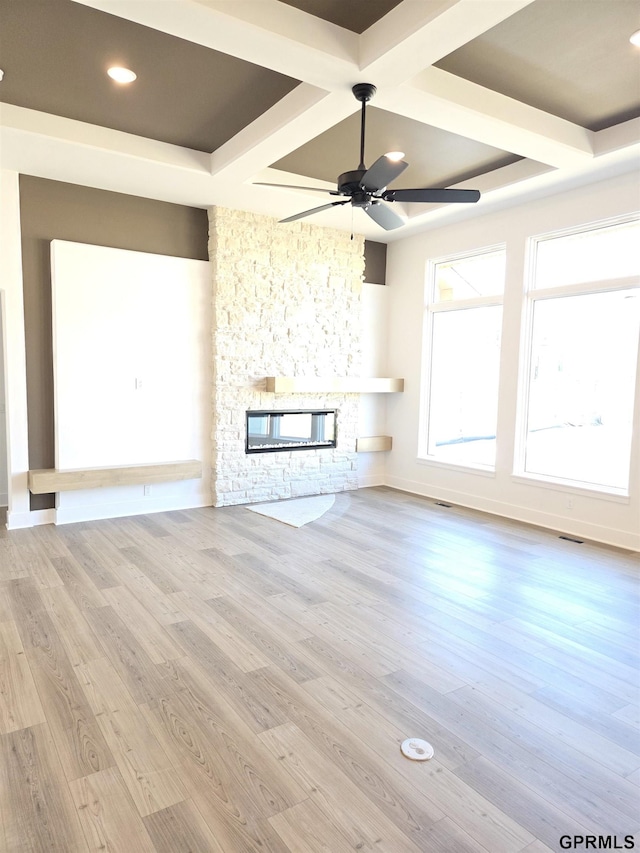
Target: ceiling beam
{"points": [[264, 32], [451, 103], [269, 33], [414, 35], [325, 57], [298, 117], [620, 137], [410, 36], [47, 128], [62, 149]]}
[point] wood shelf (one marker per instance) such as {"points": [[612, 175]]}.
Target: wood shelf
{"points": [[373, 443], [332, 384], [46, 480]]}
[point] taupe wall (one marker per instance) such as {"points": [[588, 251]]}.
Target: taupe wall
{"points": [[51, 210], [375, 262]]}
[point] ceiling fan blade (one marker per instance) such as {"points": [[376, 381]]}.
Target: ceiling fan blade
{"points": [[293, 187], [384, 216], [432, 196], [382, 173], [313, 210]]}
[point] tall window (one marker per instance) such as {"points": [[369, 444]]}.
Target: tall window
{"points": [[584, 322], [463, 325]]}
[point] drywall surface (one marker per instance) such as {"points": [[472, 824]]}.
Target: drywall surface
{"points": [[18, 513], [373, 407], [4, 488]]}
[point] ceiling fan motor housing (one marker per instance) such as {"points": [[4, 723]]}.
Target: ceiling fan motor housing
{"points": [[351, 182], [361, 199]]}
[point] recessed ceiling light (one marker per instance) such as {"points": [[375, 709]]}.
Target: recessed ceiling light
{"points": [[394, 156], [121, 75], [635, 38]]}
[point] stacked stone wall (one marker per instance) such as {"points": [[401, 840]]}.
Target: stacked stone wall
{"points": [[286, 302]]}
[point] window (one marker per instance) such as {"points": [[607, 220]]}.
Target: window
{"points": [[463, 325], [584, 322]]}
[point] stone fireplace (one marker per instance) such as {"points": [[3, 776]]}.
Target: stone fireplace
{"points": [[286, 302]]}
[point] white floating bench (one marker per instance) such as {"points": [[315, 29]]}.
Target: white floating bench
{"points": [[46, 480]]}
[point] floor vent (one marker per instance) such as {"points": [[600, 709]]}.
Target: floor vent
{"points": [[441, 503], [571, 539]]}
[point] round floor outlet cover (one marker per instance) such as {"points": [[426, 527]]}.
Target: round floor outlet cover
{"points": [[416, 749]]}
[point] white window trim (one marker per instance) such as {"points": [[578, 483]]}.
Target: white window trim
{"points": [[575, 487], [468, 468], [530, 296], [585, 288], [431, 308]]}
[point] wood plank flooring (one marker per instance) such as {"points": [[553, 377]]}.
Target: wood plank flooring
{"points": [[214, 681]]}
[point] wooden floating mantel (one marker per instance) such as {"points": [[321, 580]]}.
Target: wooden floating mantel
{"points": [[332, 384], [373, 443], [46, 480]]}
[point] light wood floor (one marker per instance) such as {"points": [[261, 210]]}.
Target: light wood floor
{"points": [[217, 682]]}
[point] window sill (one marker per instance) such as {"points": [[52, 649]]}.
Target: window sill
{"points": [[479, 470], [599, 492]]}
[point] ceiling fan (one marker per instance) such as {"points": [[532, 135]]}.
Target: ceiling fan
{"points": [[367, 188]]}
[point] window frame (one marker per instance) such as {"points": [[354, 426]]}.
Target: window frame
{"points": [[430, 309], [533, 294]]}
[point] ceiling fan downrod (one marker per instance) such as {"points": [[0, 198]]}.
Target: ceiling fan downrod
{"points": [[350, 183], [363, 92]]}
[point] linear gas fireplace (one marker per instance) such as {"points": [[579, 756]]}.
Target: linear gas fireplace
{"points": [[290, 429]]}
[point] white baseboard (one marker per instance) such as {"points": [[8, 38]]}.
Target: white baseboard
{"points": [[371, 480], [563, 524], [19, 520], [570, 526]]}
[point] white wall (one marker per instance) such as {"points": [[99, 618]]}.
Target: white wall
{"points": [[608, 519], [4, 488], [373, 407], [132, 380], [18, 514]]}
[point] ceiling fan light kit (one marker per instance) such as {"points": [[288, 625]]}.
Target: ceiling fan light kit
{"points": [[367, 188]]}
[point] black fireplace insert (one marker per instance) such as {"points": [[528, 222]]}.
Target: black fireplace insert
{"points": [[290, 429]]}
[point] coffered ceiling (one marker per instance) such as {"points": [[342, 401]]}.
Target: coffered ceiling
{"points": [[512, 97]]}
